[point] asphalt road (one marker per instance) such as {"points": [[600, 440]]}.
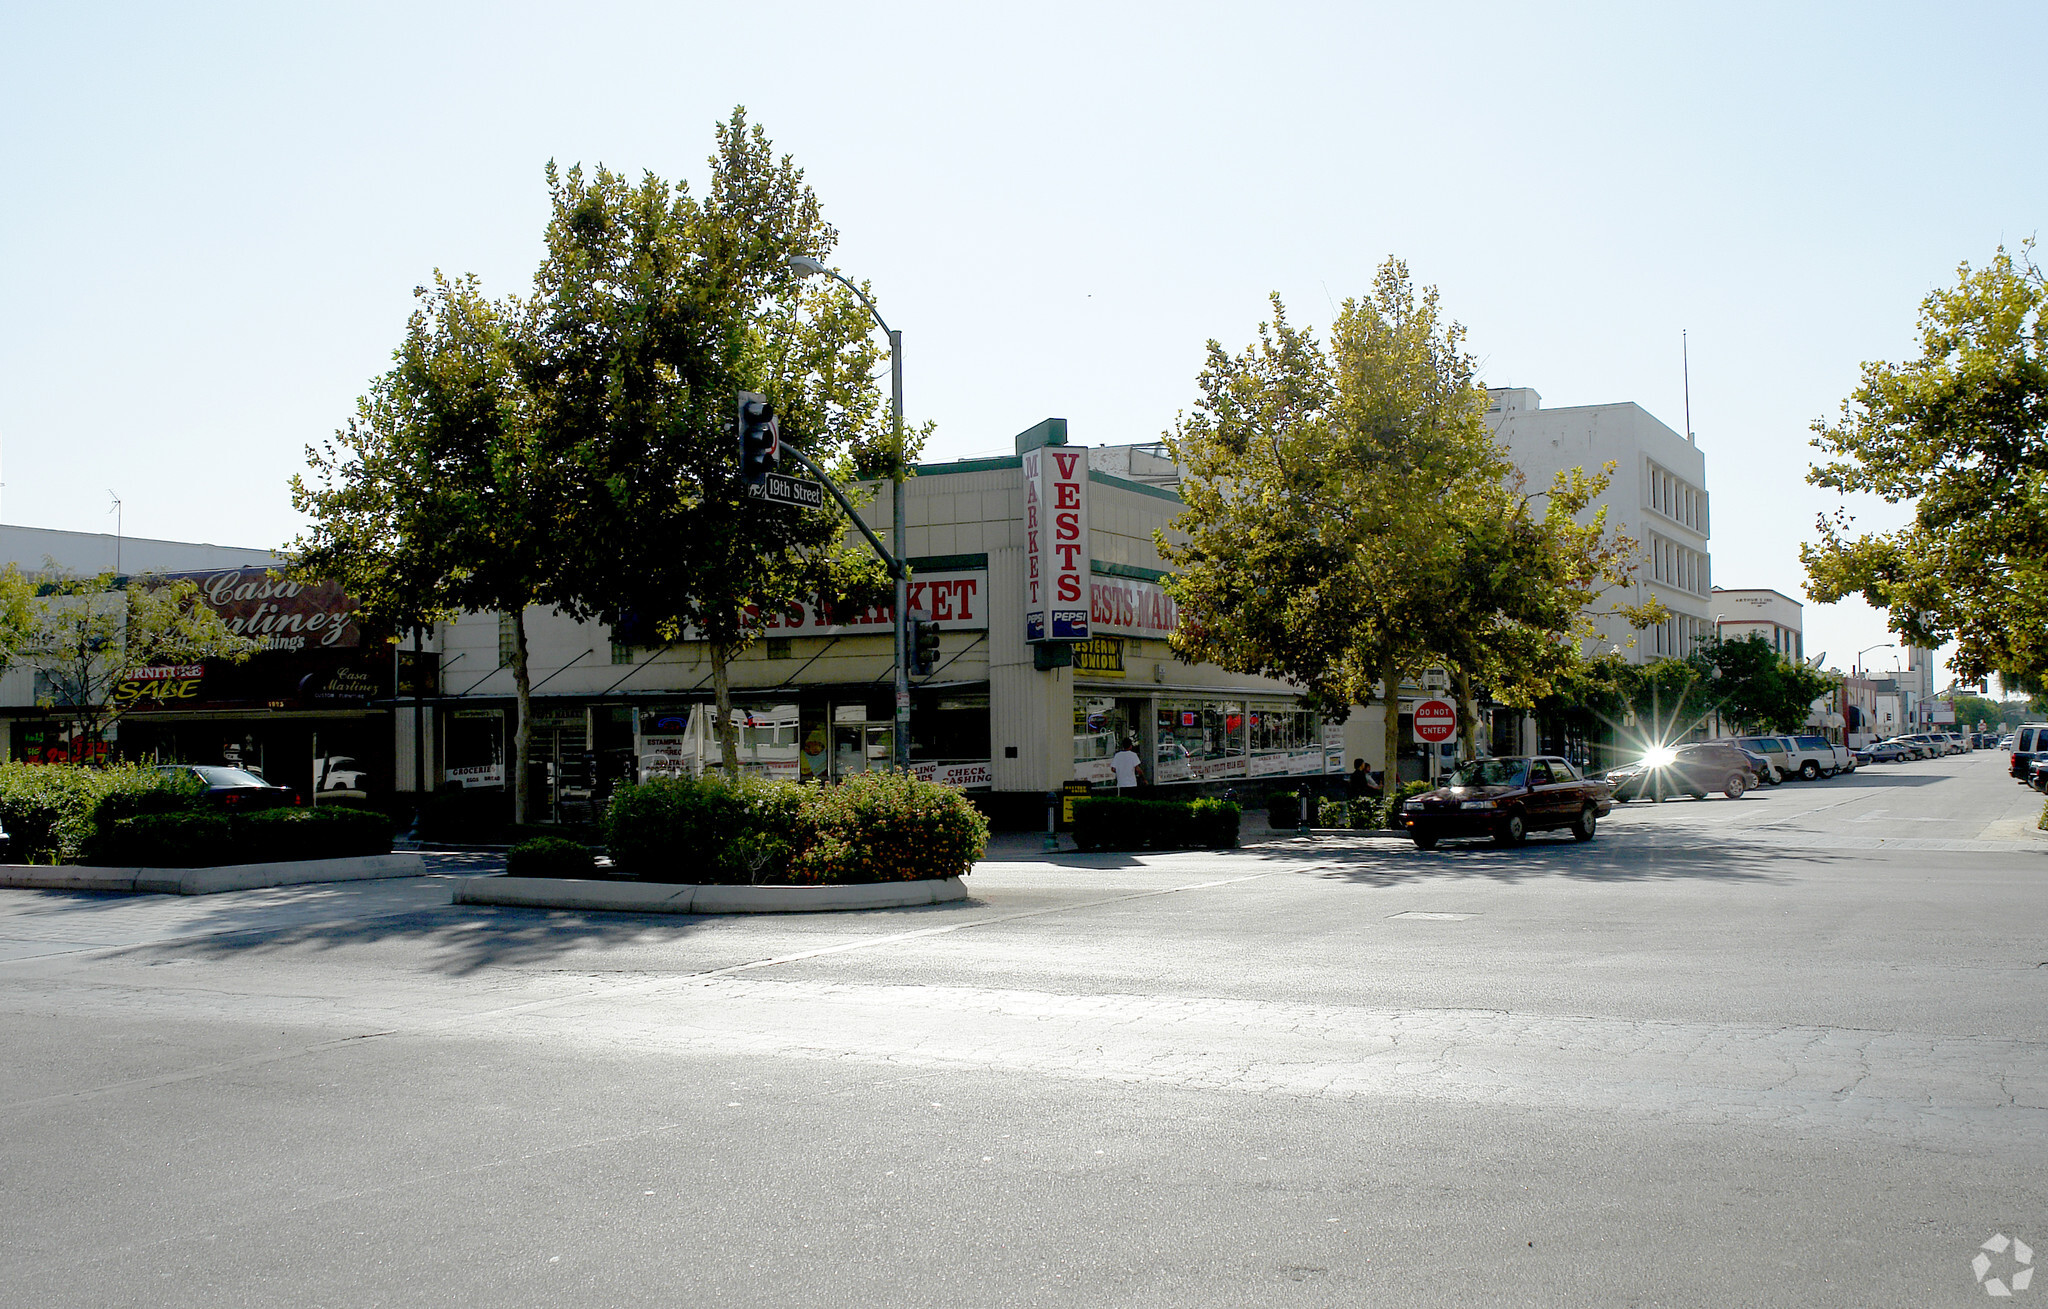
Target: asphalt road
{"points": [[1785, 1050]]}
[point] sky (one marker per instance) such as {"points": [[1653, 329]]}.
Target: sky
{"points": [[216, 214]]}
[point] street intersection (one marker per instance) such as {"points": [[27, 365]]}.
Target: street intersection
{"points": [[1781, 1050]]}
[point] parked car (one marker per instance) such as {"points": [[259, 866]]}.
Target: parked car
{"points": [[1506, 799], [2037, 773], [1777, 758], [1889, 752], [2028, 741], [235, 788], [1693, 769], [1915, 747], [1826, 757]]}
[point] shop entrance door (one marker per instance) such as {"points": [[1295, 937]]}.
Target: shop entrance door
{"points": [[857, 747]]}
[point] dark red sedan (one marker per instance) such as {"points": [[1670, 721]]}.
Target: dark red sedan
{"points": [[1506, 799], [234, 788]]}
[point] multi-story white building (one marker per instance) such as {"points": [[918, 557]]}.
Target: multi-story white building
{"points": [[1657, 495], [1760, 611]]}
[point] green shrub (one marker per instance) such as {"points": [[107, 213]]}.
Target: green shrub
{"points": [[1109, 823], [704, 829], [204, 838], [1213, 824], [336, 832], [885, 827], [873, 827], [53, 811], [2043, 824], [549, 856], [194, 839]]}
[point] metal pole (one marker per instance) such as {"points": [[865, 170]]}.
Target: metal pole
{"points": [[419, 724], [902, 733]]}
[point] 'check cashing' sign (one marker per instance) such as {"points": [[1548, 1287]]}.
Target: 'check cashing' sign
{"points": [[1056, 569]]}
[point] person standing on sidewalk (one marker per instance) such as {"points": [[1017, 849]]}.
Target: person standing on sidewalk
{"points": [[1130, 770]]}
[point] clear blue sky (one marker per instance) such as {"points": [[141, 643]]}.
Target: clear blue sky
{"points": [[216, 214]]}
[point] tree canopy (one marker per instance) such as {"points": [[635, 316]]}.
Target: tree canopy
{"points": [[1352, 520], [1960, 433], [1747, 681]]}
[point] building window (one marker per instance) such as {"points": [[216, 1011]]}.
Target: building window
{"points": [[621, 652]]}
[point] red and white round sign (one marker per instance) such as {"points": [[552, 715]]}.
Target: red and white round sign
{"points": [[1435, 721]]}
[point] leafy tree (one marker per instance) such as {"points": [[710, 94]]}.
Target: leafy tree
{"points": [[1974, 709], [653, 309], [1352, 521], [442, 495], [1961, 433], [1748, 681], [88, 632]]}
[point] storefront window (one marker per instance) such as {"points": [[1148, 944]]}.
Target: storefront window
{"points": [[949, 727], [474, 749], [1200, 739], [1102, 726], [770, 741], [1284, 739]]}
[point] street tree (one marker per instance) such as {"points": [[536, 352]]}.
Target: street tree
{"points": [[440, 495], [653, 309], [1961, 434], [1351, 520], [87, 634], [1974, 709], [1745, 679]]}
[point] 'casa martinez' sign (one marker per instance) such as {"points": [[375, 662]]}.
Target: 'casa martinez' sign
{"points": [[282, 614]]}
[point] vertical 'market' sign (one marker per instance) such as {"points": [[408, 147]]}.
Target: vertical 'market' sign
{"points": [[1056, 543]]}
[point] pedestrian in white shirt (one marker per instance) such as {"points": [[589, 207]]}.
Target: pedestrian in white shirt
{"points": [[1130, 771]]}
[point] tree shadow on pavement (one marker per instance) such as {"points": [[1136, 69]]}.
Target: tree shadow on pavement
{"points": [[1541, 857]]}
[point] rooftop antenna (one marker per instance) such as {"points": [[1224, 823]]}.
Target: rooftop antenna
{"points": [[116, 512], [1685, 362]]}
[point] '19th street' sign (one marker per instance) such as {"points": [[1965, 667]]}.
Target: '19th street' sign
{"points": [[781, 489]]}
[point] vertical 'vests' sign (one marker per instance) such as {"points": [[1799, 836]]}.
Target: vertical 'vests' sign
{"points": [[1056, 543]]}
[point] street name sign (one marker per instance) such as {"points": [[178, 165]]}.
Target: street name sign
{"points": [[777, 488]]}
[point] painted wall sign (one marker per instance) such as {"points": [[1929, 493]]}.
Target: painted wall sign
{"points": [[1122, 605], [1056, 599], [283, 615], [955, 601]]}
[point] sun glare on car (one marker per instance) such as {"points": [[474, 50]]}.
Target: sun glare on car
{"points": [[1658, 755]]}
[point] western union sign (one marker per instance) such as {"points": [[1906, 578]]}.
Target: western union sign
{"points": [[1101, 657]]}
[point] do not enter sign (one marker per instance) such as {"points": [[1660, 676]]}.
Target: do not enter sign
{"points": [[1435, 721]]}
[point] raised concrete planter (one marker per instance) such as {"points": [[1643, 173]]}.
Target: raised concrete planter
{"points": [[670, 898], [209, 881]]}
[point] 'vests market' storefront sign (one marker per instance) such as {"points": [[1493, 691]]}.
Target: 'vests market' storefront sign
{"points": [[1056, 600]]}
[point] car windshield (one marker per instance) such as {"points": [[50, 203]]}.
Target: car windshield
{"points": [[217, 777], [1491, 772]]}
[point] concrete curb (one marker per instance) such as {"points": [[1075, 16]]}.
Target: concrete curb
{"points": [[671, 898], [210, 881]]}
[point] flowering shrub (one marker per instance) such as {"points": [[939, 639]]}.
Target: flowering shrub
{"points": [[874, 827], [886, 827]]}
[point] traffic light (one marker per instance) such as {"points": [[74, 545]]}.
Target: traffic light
{"points": [[760, 439], [924, 647]]}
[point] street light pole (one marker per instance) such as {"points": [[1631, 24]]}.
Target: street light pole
{"points": [[805, 266]]}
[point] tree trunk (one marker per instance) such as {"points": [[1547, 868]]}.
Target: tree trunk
{"points": [[522, 734], [1390, 696], [728, 736], [1468, 716]]}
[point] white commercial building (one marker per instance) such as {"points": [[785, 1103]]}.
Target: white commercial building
{"points": [[1760, 611], [1657, 495]]}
